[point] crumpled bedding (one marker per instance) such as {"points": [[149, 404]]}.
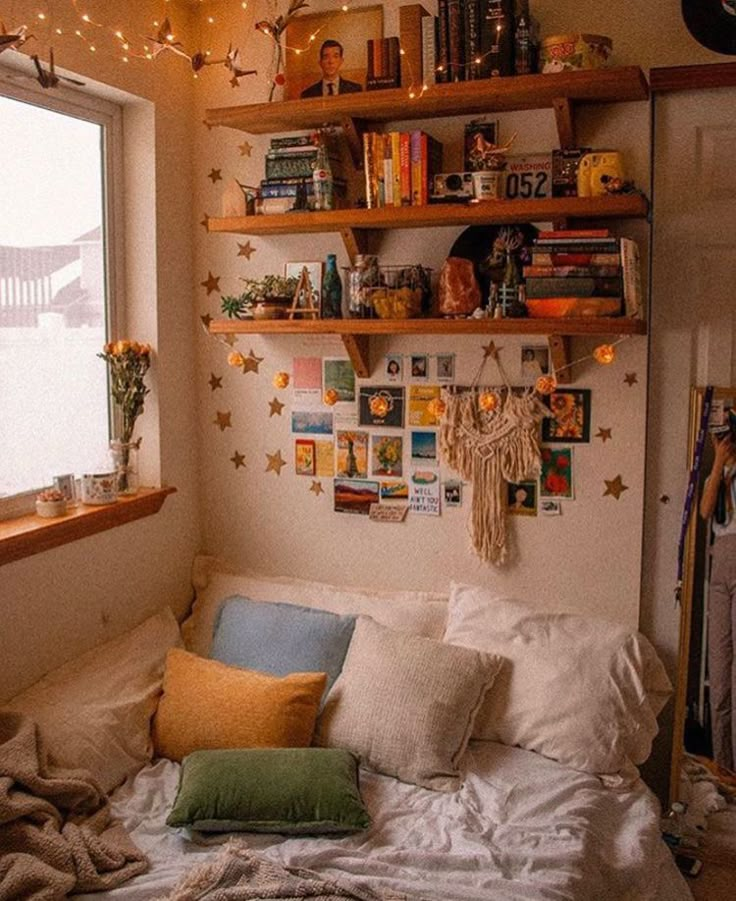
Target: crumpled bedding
{"points": [[521, 827]]}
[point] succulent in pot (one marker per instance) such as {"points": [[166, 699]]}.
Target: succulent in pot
{"points": [[261, 298]]}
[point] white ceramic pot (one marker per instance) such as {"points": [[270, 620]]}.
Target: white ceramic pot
{"points": [[99, 488], [49, 509]]}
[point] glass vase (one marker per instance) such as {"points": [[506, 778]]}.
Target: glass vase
{"points": [[125, 462]]}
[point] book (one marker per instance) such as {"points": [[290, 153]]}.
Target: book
{"points": [[455, 41], [405, 168], [496, 38], [471, 12], [371, 183], [384, 64], [578, 246], [544, 258], [631, 266], [566, 234], [388, 170], [290, 188], [429, 49], [411, 18], [574, 286], [568, 271], [291, 141], [443, 42], [290, 167], [426, 161], [395, 145]]}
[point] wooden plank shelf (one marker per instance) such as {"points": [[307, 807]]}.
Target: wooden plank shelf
{"points": [[520, 92], [356, 333], [31, 534]]}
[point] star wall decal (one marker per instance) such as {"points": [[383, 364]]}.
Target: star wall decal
{"points": [[209, 125], [215, 175], [631, 379], [206, 221], [222, 420], [615, 487], [206, 319], [604, 434], [246, 250], [317, 488], [230, 339], [245, 148], [211, 283], [251, 362], [238, 459], [276, 407], [215, 381], [275, 463], [490, 350]]}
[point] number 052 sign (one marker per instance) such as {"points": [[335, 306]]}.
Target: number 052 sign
{"points": [[529, 177]]}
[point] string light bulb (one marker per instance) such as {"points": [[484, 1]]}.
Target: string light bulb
{"points": [[604, 354]]}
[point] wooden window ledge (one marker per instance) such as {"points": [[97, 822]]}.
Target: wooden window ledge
{"points": [[31, 534]]}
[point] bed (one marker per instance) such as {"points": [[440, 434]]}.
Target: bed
{"points": [[517, 801]]}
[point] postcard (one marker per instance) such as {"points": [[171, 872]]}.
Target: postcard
{"points": [[550, 508], [354, 496], [425, 492], [382, 406], [419, 366], [340, 375], [420, 397], [445, 367], [387, 513], [307, 381], [304, 457], [352, 454], [311, 422], [453, 493], [521, 498], [424, 446], [387, 453], [324, 458], [395, 491], [556, 479]]}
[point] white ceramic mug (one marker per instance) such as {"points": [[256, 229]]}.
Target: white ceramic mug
{"points": [[99, 488]]}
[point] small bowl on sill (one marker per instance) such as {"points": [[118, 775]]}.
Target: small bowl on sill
{"points": [[50, 504]]}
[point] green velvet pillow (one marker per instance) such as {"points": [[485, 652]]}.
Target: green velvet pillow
{"points": [[288, 790]]}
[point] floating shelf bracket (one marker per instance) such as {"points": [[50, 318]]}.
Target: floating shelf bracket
{"points": [[559, 355], [565, 121], [359, 351], [353, 129]]}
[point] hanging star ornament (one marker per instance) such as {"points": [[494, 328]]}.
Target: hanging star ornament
{"points": [[276, 407], [238, 460], [211, 283], [317, 488], [222, 420], [490, 350], [245, 148], [604, 434], [13, 39], [631, 379], [275, 463], [246, 250], [215, 381], [615, 487], [251, 362], [215, 175]]}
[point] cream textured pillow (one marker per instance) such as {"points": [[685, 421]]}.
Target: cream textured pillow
{"points": [[581, 690], [207, 705], [95, 712], [406, 705], [419, 612]]}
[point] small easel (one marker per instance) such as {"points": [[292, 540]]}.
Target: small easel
{"points": [[305, 306]]}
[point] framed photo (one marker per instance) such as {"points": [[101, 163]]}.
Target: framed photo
{"points": [[569, 419], [556, 478], [534, 362], [304, 457], [521, 498], [314, 268], [351, 30]]}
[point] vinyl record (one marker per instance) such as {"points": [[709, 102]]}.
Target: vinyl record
{"points": [[712, 23]]}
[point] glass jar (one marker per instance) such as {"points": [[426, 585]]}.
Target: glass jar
{"points": [[125, 463], [363, 275]]}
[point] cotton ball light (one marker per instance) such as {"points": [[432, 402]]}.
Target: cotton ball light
{"points": [[488, 401], [281, 380], [379, 405], [436, 407], [546, 384], [331, 397], [604, 354], [235, 358]]}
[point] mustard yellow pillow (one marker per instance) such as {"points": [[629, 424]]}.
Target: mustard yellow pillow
{"points": [[207, 704]]}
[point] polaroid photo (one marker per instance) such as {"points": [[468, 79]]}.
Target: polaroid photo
{"points": [[419, 367], [394, 368], [445, 367]]}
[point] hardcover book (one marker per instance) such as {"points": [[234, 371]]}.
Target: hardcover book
{"points": [[411, 19]]}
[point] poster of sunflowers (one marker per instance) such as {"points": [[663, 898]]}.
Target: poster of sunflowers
{"points": [[569, 419]]}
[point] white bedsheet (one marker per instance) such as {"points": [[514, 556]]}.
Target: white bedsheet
{"points": [[521, 827]]}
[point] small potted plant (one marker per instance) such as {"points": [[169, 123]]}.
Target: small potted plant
{"points": [[50, 502], [261, 298]]}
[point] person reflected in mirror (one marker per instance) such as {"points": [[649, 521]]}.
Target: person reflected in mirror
{"points": [[718, 503], [331, 58]]}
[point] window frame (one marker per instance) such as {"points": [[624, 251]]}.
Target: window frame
{"points": [[84, 104]]}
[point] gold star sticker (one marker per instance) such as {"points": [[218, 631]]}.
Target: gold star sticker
{"points": [[615, 487], [631, 379], [211, 283], [246, 250], [223, 420], [206, 319], [275, 462], [604, 434], [317, 488], [238, 459], [245, 148], [230, 339], [490, 350], [206, 221], [209, 125], [215, 381], [215, 175], [251, 362], [276, 407]]}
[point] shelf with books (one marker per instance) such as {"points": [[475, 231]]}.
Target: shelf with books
{"points": [[356, 333]]}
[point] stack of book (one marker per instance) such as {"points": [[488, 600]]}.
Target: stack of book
{"points": [[400, 167], [290, 162], [583, 272]]}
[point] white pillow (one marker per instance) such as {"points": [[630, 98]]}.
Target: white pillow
{"points": [[418, 612], [95, 711], [581, 690]]}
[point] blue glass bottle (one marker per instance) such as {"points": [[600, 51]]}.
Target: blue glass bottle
{"points": [[331, 290]]}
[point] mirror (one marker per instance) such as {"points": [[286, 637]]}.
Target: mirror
{"points": [[704, 748]]}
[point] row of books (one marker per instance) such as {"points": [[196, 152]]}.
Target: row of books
{"points": [[384, 64], [469, 39], [586, 265], [400, 167], [290, 163]]}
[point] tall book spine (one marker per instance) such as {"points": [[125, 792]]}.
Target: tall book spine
{"points": [[405, 167], [411, 17], [633, 291], [443, 42], [385, 178], [575, 286], [415, 149], [371, 183], [395, 138], [370, 72], [429, 49], [471, 9], [497, 38], [456, 34]]}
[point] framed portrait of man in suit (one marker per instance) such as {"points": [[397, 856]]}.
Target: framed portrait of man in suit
{"points": [[335, 60]]}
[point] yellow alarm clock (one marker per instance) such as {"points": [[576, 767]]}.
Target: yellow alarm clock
{"points": [[597, 167]]}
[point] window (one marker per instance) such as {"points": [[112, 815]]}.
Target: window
{"points": [[55, 285]]}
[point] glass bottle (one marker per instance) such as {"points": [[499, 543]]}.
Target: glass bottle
{"points": [[125, 463], [322, 179], [331, 290]]}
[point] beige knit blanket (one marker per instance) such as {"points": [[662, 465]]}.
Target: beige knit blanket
{"points": [[53, 836]]}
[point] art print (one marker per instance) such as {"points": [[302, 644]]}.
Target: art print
{"points": [[352, 454], [521, 498], [304, 457], [314, 271], [324, 458], [395, 491], [353, 496], [311, 422], [424, 446], [382, 406], [387, 453], [425, 492], [569, 419], [556, 478], [339, 375], [421, 409]]}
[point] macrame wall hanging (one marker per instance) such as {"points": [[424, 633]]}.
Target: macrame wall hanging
{"points": [[491, 436]]}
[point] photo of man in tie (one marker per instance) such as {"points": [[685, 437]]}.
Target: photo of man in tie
{"points": [[330, 61]]}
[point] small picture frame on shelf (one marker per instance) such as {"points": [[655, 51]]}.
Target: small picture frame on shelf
{"points": [[314, 270]]}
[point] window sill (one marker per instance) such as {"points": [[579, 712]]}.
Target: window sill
{"points": [[31, 534]]}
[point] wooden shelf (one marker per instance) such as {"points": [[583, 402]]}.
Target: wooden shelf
{"points": [[521, 92], [31, 534], [356, 333]]}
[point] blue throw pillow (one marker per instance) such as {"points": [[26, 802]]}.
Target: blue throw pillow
{"points": [[281, 638]]}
